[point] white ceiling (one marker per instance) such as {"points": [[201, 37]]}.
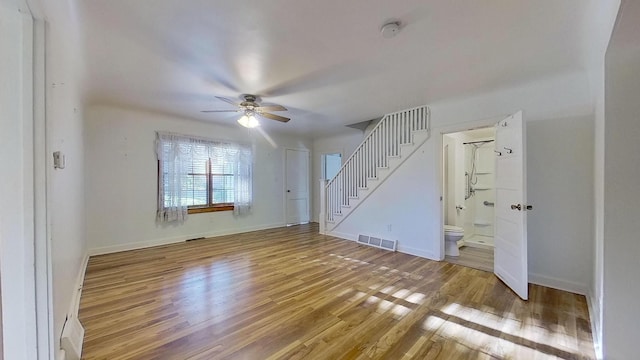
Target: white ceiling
{"points": [[324, 60]]}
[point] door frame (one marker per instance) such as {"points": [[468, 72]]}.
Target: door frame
{"points": [[459, 127], [43, 165], [284, 183], [37, 298]]}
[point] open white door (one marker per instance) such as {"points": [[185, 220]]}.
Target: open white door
{"points": [[510, 263], [297, 186]]}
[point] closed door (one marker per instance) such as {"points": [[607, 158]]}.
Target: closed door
{"points": [[297, 186], [510, 264]]}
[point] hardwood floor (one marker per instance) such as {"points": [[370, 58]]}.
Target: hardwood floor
{"points": [[481, 259], [291, 293]]}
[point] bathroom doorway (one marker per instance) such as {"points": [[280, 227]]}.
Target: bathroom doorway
{"points": [[468, 177]]}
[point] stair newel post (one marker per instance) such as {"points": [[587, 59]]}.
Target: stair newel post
{"points": [[323, 206]]}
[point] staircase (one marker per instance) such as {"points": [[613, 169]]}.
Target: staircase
{"points": [[385, 149]]}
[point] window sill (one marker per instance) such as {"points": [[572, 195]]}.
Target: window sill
{"points": [[200, 210]]}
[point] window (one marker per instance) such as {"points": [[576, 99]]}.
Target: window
{"points": [[198, 175]]}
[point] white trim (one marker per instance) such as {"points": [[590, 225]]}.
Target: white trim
{"points": [[173, 240], [417, 252], [594, 316], [342, 235], [74, 306], [557, 283], [42, 245], [20, 336]]}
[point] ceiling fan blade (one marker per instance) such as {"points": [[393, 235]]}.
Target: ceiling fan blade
{"points": [[275, 117], [227, 100], [271, 108], [213, 111]]}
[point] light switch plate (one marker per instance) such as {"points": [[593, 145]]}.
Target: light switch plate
{"points": [[58, 160]]}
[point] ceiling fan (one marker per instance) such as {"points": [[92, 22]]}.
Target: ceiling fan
{"points": [[250, 107]]}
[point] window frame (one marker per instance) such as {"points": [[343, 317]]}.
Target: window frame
{"points": [[211, 206]]}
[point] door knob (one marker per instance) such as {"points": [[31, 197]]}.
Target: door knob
{"points": [[516, 207], [288, 190], [529, 207]]}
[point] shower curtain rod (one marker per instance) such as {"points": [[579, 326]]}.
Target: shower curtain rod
{"points": [[477, 142]]}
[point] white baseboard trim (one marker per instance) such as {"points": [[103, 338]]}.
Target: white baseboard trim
{"points": [[342, 235], [74, 305], [417, 252], [594, 316], [77, 289], [165, 241], [559, 284]]}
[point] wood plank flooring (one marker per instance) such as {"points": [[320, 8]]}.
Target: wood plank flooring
{"points": [[291, 293], [481, 259]]}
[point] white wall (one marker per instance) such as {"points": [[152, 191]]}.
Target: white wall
{"points": [[560, 188], [560, 105], [65, 133], [16, 183], [344, 144], [122, 176], [408, 203], [621, 260]]}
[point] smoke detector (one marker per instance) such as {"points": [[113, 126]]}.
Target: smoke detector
{"points": [[390, 29]]}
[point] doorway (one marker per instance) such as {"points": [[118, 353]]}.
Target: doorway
{"points": [[469, 196], [297, 186], [331, 164]]}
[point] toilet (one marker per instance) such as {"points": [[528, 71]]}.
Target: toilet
{"points": [[451, 236]]}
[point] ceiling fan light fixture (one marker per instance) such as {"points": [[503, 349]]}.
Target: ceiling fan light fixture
{"points": [[249, 121]]}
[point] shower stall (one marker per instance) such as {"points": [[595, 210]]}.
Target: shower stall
{"points": [[479, 175]]}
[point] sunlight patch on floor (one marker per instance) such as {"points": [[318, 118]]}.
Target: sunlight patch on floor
{"points": [[499, 336]]}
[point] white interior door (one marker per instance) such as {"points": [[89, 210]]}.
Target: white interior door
{"points": [[297, 186], [510, 263]]}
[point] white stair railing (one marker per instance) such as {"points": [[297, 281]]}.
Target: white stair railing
{"points": [[373, 153]]}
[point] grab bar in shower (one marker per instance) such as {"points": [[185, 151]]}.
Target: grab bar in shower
{"points": [[487, 203]]}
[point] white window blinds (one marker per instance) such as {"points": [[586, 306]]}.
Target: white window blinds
{"points": [[195, 172]]}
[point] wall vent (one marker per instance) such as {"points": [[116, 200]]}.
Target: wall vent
{"points": [[377, 242]]}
